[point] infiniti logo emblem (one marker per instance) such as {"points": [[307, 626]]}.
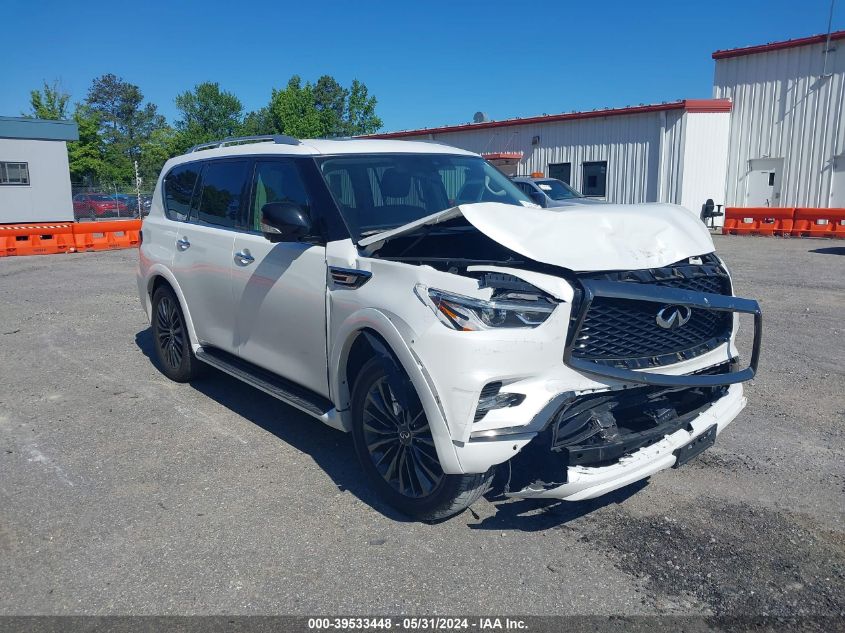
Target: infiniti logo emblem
{"points": [[673, 317]]}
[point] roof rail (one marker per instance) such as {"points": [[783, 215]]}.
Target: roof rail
{"points": [[279, 139]]}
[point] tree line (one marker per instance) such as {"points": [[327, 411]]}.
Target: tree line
{"points": [[117, 126]]}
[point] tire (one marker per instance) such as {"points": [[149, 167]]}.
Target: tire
{"points": [[170, 337], [395, 447]]}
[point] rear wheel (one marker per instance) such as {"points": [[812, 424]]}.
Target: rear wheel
{"points": [[394, 443], [170, 337]]}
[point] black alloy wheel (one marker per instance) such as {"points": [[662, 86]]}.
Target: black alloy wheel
{"points": [[170, 332], [399, 442], [170, 337], [396, 448]]}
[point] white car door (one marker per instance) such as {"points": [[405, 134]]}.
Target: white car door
{"points": [[279, 288], [202, 261]]}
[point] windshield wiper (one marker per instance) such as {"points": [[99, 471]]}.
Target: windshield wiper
{"points": [[424, 227]]}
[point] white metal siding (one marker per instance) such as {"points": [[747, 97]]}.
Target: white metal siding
{"points": [[673, 157], [706, 140], [629, 143], [784, 108], [48, 196]]}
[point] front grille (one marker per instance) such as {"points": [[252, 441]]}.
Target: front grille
{"points": [[625, 333]]}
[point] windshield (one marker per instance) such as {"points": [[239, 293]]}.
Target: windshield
{"points": [[557, 190], [101, 198], [377, 192]]}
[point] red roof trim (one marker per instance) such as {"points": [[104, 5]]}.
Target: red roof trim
{"points": [[707, 105], [776, 46], [689, 105], [502, 155]]}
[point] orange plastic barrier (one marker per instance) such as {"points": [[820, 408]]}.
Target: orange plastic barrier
{"points": [[68, 237], [36, 239], [106, 236], [819, 223], [758, 221]]}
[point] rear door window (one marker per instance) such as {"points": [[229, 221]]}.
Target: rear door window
{"points": [[526, 188], [220, 201], [179, 186]]}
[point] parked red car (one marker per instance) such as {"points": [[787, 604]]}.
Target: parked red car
{"points": [[97, 205]]}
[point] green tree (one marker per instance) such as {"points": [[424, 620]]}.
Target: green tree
{"points": [[320, 110], [86, 156], [208, 113], [330, 101], [49, 103], [257, 123], [293, 110], [361, 115], [163, 143], [126, 122]]}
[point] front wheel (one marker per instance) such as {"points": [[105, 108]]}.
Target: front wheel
{"points": [[395, 446]]}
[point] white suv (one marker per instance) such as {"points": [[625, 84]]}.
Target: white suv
{"points": [[409, 293]]}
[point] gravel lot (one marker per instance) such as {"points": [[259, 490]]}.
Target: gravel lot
{"points": [[124, 493]]}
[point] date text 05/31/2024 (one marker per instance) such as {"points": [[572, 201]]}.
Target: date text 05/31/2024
{"points": [[417, 623]]}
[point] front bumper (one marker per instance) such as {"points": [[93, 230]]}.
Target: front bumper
{"points": [[583, 482]]}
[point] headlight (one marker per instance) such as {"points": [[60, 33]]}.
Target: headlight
{"points": [[470, 315]]}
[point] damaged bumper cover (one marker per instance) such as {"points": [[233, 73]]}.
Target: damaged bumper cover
{"points": [[585, 482]]}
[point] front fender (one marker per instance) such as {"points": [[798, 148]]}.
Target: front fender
{"points": [[395, 332]]}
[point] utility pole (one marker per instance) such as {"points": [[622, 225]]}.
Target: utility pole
{"points": [[138, 189], [827, 42]]}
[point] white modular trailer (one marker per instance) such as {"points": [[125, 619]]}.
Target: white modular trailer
{"points": [[787, 137], [34, 172], [668, 152]]}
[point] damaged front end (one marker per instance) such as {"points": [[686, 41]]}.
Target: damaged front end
{"points": [[574, 383], [631, 330], [547, 468], [598, 430]]}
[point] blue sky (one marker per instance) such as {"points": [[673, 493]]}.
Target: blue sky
{"points": [[428, 63]]}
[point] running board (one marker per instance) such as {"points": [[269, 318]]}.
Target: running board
{"points": [[288, 392]]}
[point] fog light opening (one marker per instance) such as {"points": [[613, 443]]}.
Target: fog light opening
{"points": [[491, 399]]}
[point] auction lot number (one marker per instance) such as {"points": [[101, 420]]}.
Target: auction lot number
{"points": [[415, 624]]}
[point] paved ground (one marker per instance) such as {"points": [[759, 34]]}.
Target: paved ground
{"points": [[121, 492]]}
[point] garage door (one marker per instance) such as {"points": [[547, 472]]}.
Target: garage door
{"points": [[560, 171]]}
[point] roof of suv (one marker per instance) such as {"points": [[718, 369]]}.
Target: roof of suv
{"points": [[530, 178], [318, 147]]}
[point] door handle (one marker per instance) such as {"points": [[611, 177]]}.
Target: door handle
{"points": [[183, 243], [244, 257]]}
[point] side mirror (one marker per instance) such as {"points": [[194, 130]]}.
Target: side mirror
{"points": [[539, 198], [284, 222]]}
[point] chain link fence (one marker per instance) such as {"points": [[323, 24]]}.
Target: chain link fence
{"points": [[110, 201]]}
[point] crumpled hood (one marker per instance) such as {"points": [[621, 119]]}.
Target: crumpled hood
{"points": [[595, 237]]}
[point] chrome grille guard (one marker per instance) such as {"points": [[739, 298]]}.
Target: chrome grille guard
{"points": [[666, 296]]}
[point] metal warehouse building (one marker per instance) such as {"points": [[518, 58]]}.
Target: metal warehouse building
{"points": [[627, 155], [34, 172], [771, 136], [787, 139]]}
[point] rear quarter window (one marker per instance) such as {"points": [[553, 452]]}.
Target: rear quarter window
{"points": [[179, 185]]}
